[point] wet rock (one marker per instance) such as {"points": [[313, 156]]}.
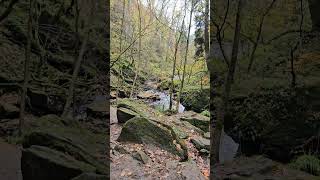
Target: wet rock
{"points": [[141, 156], [141, 130], [90, 176], [38, 163], [201, 143], [124, 115], [197, 120]]}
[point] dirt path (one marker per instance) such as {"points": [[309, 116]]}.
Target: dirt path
{"points": [[9, 161]]}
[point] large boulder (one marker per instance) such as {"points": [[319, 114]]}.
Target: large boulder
{"points": [[274, 121], [142, 130], [8, 110], [201, 143], [62, 144], [123, 114], [197, 120], [98, 109], [38, 163], [257, 167], [67, 136], [188, 170]]}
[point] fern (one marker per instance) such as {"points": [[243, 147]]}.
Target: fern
{"points": [[307, 163]]}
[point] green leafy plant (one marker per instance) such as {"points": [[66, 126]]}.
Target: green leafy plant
{"points": [[307, 163]]}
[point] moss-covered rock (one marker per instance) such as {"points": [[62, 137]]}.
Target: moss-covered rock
{"points": [[179, 132], [195, 99], [142, 130], [38, 163], [201, 143], [8, 110], [124, 114], [197, 120], [67, 135]]}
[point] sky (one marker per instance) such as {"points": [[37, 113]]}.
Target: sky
{"points": [[170, 6]]}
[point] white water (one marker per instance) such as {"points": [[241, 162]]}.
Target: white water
{"points": [[164, 102]]}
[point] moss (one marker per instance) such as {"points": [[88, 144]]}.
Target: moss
{"points": [[60, 158], [141, 130], [307, 163]]}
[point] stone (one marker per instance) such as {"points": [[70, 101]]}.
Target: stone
{"points": [[206, 135], [90, 176], [98, 109], [185, 170], [144, 131], [121, 149], [191, 127], [8, 110], [141, 156], [148, 95], [180, 133], [123, 114], [38, 163], [197, 120], [201, 143]]}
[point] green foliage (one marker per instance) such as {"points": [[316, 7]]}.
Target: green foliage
{"points": [[205, 113], [307, 163]]}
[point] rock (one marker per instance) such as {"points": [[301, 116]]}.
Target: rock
{"points": [[141, 130], [204, 151], [68, 136], [191, 127], [121, 149], [98, 109], [38, 163], [201, 143], [186, 170], [90, 176], [43, 103], [148, 95], [206, 135], [141, 156], [123, 114], [257, 167], [197, 120], [228, 148], [61, 143], [8, 110], [180, 133]]}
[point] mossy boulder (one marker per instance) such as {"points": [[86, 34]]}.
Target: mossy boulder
{"points": [[195, 99], [179, 132], [38, 163], [201, 143], [197, 120], [8, 110], [66, 135], [63, 144], [124, 114], [136, 106], [142, 130]]}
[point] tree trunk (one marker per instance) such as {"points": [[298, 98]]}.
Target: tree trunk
{"points": [[26, 70], [139, 52], [185, 59], [175, 63], [214, 156], [206, 28], [77, 65]]}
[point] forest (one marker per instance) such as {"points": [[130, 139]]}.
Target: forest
{"points": [[159, 89], [219, 89]]}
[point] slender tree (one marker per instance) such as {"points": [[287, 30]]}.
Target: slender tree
{"points": [[78, 61], [216, 134], [26, 70], [185, 57]]}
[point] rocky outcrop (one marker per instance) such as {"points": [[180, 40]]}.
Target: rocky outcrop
{"points": [[257, 167], [197, 120], [124, 114], [66, 140], [38, 163], [142, 130], [201, 143]]}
